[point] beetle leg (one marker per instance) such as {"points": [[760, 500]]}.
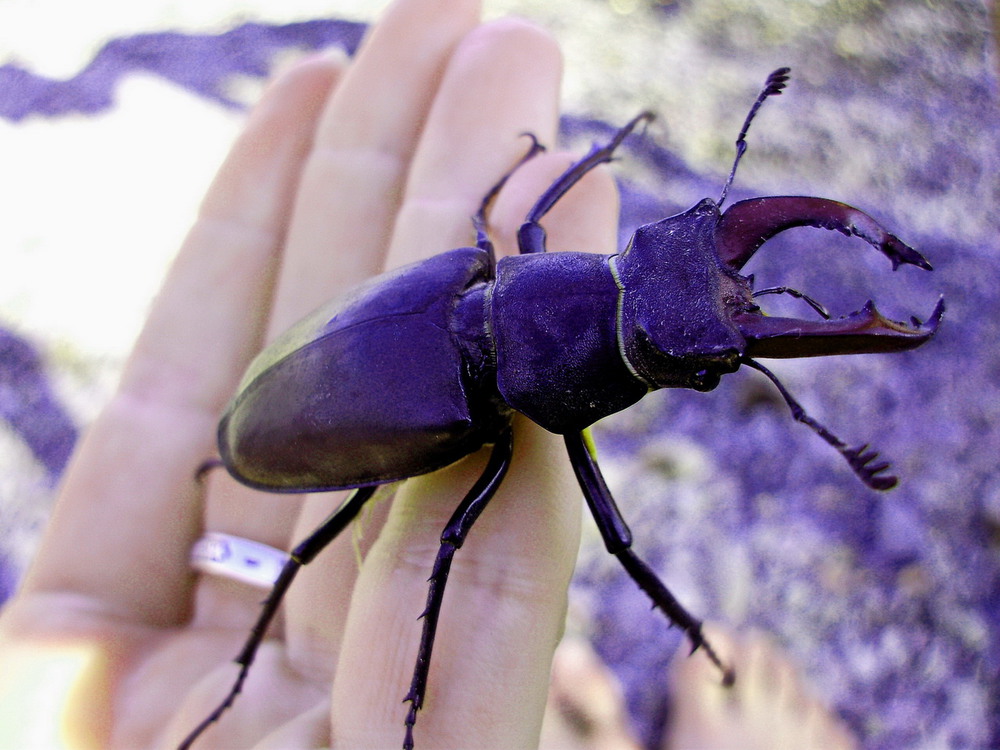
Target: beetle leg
{"points": [[747, 225], [479, 218], [531, 235], [618, 541], [303, 554], [209, 464], [451, 539], [820, 309]]}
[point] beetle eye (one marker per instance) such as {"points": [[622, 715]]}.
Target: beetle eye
{"points": [[705, 380]]}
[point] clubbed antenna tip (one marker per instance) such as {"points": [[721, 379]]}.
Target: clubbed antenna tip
{"points": [[773, 86], [776, 82]]}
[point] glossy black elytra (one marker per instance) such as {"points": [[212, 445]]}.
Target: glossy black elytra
{"points": [[565, 338]]}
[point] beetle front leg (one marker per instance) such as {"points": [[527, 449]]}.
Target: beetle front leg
{"points": [[618, 541], [483, 241], [451, 539], [531, 235]]}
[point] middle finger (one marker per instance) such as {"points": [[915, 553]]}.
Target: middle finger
{"points": [[502, 83], [353, 180], [347, 196], [502, 80]]}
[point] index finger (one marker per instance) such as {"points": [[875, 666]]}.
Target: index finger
{"points": [[353, 181]]}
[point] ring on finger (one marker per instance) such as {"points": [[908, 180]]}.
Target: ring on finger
{"points": [[238, 559]]}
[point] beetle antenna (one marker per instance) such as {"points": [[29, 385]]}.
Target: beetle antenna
{"points": [[859, 458], [772, 87]]}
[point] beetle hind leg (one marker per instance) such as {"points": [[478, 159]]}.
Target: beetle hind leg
{"points": [[662, 597], [303, 554], [451, 539], [618, 541]]}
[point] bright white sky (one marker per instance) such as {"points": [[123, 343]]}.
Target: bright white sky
{"points": [[58, 37]]}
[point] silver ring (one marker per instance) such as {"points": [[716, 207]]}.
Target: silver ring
{"points": [[238, 559]]}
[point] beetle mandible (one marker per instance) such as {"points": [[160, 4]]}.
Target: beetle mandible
{"points": [[564, 338]]}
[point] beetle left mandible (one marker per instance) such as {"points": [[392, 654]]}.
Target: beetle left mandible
{"points": [[564, 338]]}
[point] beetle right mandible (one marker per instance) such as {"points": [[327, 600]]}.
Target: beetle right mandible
{"points": [[564, 338]]}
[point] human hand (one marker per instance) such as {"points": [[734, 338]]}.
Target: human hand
{"points": [[342, 171]]}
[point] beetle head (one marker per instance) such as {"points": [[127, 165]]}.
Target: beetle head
{"points": [[678, 306], [686, 316], [747, 225]]}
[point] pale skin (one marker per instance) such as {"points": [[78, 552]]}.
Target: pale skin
{"points": [[770, 707], [341, 172]]}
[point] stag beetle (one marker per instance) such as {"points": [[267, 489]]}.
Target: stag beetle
{"points": [[565, 338]]}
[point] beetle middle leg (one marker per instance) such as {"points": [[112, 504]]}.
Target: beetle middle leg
{"points": [[618, 541], [451, 539]]}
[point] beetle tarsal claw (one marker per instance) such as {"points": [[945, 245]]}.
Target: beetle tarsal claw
{"points": [[859, 458], [698, 641]]}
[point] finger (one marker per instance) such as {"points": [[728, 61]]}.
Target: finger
{"points": [[457, 160], [344, 212], [129, 507], [316, 607], [354, 178], [508, 585], [504, 607], [346, 198], [343, 217], [503, 83]]}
